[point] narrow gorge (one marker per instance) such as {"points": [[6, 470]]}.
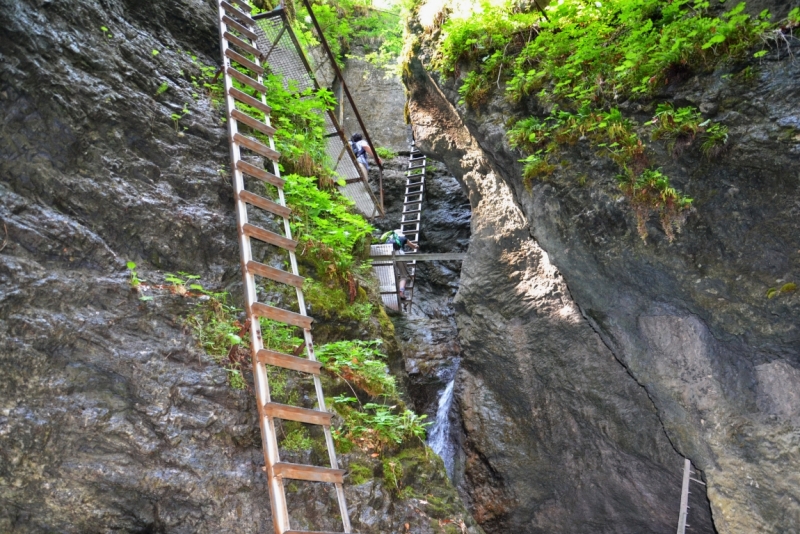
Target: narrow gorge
{"points": [[623, 178]]}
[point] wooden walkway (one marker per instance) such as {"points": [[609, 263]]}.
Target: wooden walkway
{"points": [[244, 84]]}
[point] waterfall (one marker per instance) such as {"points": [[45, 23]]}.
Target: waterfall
{"points": [[439, 438]]}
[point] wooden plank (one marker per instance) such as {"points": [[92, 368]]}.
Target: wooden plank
{"points": [[282, 316], [261, 174], [244, 18], [295, 413], [244, 45], [272, 273], [265, 204], [250, 34], [308, 472], [245, 79], [244, 5], [251, 122], [421, 256], [243, 61], [255, 146], [287, 361], [268, 237], [243, 97]]}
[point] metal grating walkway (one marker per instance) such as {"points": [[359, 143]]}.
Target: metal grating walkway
{"points": [[284, 54]]}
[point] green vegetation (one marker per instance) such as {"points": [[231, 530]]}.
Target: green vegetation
{"points": [[586, 59], [790, 287], [355, 23], [385, 153]]}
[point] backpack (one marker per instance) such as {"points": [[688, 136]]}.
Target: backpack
{"points": [[394, 239], [358, 150]]}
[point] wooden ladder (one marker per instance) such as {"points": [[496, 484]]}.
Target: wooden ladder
{"points": [[241, 62], [411, 217]]}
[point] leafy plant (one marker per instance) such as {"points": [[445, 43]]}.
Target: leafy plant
{"points": [[361, 363], [385, 153], [377, 426], [651, 192], [134, 279], [162, 88]]}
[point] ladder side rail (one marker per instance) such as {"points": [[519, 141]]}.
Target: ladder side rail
{"points": [[277, 499]]}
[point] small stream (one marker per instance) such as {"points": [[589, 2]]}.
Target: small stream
{"points": [[439, 438]]}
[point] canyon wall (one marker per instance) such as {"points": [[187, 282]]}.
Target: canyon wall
{"points": [[593, 361]]}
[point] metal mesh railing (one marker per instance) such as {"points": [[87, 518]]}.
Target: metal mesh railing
{"points": [[285, 55]]}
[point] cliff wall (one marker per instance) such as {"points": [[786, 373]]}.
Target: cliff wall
{"points": [[594, 360]]}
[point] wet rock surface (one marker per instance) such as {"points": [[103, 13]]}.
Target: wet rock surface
{"points": [[111, 418], [621, 349]]}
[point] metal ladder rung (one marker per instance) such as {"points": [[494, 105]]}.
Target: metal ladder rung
{"points": [[244, 18], [249, 100], [269, 237], [282, 316], [252, 123], [287, 361], [255, 146], [272, 273], [250, 49], [414, 201], [245, 79], [261, 174], [308, 472], [419, 210], [295, 413], [243, 61], [244, 30]]}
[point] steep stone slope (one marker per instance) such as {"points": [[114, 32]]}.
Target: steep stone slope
{"points": [[591, 358], [111, 419]]}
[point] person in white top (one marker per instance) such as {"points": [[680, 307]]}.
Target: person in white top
{"points": [[361, 149]]}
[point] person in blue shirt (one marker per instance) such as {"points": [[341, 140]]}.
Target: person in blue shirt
{"points": [[400, 242]]}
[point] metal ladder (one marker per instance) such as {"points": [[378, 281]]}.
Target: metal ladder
{"points": [[411, 218], [241, 62]]}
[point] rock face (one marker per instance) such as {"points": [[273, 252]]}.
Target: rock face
{"points": [[111, 419], [593, 360]]}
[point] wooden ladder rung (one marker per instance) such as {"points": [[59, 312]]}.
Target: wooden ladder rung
{"points": [[295, 413], [265, 204], [241, 28], [245, 79], [255, 146], [308, 472], [261, 174], [287, 361], [282, 316], [269, 237], [252, 123], [243, 17], [244, 45], [243, 61], [249, 100], [244, 5], [272, 273]]}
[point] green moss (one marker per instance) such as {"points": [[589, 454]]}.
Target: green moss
{"points": [[360, 473]]}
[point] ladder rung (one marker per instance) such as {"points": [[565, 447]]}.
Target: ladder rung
{"points": [[241, 16], [411, 211], [249, 100], [245, 79], [282, 316], [414, 201], [253, 123], [272, 273], [257, 147], [244, 5], [269, 237], [265, 204], [287, 361], [250, 34], [261, 174], [308, 472], [421, 180], [247, 47], [243, 61], [295, 413]]}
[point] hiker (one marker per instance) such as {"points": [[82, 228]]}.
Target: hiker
{"points": [[399, 242], [361, 149]]}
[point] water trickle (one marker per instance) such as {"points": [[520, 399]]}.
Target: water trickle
{"points": [[439, 438]]}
